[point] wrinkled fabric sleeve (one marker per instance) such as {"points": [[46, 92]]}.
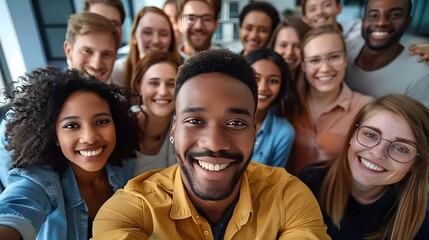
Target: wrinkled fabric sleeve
{"points": [[303, 219], [123, 216], [23, 206]]}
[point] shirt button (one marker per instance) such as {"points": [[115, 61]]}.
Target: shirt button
{"points": [[206, 232]]}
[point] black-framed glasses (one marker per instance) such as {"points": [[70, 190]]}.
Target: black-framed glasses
{"points": [[334, 59], [191, 19], [398, 151]]}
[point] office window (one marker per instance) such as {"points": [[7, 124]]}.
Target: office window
{"points": [[52, 16], [234, 10], [218, 36]]}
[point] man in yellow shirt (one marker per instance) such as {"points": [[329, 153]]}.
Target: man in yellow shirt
{"points": [[215, 191]]}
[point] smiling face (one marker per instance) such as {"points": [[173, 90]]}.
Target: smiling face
{"points": [[197, 37], [85, 131], [384, 23], [320, 13], [255, 31], [372, 167], [157, 89], [94, 52], [214, 134], [326, 78], [269, 78], [152, 33], [288, 45]]}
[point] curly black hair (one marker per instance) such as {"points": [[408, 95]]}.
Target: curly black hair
{"points": [[220, 61], [36, 105]]}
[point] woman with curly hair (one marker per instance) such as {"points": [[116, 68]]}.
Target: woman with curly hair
{"points": [[68, 134], [377, 188]]}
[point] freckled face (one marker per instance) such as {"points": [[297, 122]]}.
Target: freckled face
{"points": [[373, 167]]}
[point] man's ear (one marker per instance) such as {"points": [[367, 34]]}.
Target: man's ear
{"points": [[173, 127], [68, 50]]}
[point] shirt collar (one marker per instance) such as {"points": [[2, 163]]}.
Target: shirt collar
{"points": [[344, 100], [182, 206]]}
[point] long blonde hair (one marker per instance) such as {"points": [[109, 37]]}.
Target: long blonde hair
{"points": [[409, 212]]}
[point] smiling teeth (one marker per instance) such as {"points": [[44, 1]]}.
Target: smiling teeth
{"points": [[262, 96], [325, 78], [91, 153], [213, 167], [371, 166], [162, 101], [379, 34]]}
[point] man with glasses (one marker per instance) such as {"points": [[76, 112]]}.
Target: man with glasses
{"points": [[197, 24], [381, 65]]}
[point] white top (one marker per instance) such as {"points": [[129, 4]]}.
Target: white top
{"points": [[404, 75]]}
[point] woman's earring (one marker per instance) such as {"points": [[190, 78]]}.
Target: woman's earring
{"points": [[172, 140]]}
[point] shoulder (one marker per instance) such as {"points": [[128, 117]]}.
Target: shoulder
{"points": [[155, 180], [313, 175], [423, 232], [281, 126]]}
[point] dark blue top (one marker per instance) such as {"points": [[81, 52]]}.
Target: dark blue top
{"points": [[358, 219]]}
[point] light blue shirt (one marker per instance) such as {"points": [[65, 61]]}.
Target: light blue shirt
{"points": [[5, 159], [274, 141], [42, 204]]}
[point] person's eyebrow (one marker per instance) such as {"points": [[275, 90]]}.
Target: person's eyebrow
{"points": [[237, 110], [194, 110], [67, 118]]}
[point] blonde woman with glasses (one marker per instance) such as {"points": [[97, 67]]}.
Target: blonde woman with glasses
{"points": [[329, 104], [377, 188]]}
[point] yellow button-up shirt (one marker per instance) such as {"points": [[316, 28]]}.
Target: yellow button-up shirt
{"points": [[272, 205]]}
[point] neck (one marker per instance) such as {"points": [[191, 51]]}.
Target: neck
{"points": [[88, 179], [213, 211], [153, 125], [188, 50], [259, 118], [324, 98], [367, 194], [371, 60]]}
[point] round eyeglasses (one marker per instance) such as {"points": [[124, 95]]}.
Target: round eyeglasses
{"points": [[191, 19], [334, 59], [398, 151]]}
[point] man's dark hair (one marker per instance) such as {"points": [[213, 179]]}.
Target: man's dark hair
{"points": [[31, 131], [220, 61], [409, 10], [260, 6]]}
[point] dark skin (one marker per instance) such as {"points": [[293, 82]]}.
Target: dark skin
{"points": [[383, 26]]}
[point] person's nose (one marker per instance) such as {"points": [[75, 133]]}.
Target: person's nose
{"points": [[89, 135], [215, 139]]}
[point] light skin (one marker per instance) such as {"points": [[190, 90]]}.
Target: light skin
{"points": [[288, 45], [171, 11], [382, 27], [110, 13], [268, 76], [157, 90], [326, 80], [422, 49], [369, 184], [214, 137], [197, 37], [255, 31], [94, 52], [152, 33], [320, 13]]}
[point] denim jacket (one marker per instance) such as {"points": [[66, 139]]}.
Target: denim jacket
{"points": [[42, 204]]}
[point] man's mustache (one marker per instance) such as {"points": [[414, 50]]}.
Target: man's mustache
{"points": [[219, 154]]}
